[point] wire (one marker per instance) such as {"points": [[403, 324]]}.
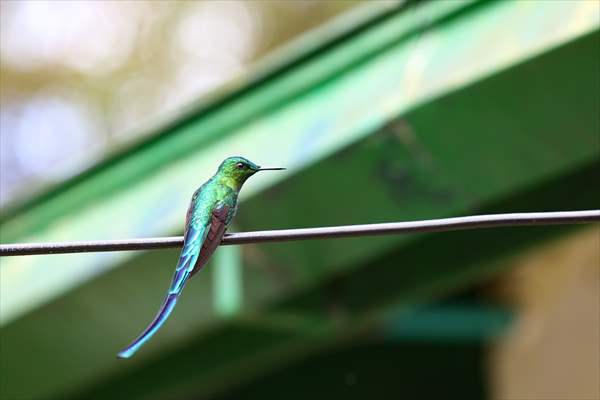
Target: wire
{"points": [[432, 225]]}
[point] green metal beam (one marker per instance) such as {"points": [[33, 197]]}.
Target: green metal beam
{"points": [[479, 143], [334, 95]]}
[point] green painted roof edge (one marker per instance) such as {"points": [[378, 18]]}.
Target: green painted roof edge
{"points": [[307, 47]]}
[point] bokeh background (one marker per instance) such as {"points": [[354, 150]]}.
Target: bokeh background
{"points": [[113, 112], [96, 73]]}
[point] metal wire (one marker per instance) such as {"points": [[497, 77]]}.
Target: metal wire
{"points": [[432, 225]]}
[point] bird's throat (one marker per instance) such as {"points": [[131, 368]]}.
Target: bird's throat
{"points": [[233, 183]]}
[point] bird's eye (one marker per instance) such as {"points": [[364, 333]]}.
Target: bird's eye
{"points": [[240, 165]]}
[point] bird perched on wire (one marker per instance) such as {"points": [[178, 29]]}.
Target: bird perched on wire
{"points": [[212, 207]]}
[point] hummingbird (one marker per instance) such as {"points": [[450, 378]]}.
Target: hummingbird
{"points": [[211, 210]]}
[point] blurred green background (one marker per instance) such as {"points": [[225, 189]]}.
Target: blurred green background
{"points": [[113, 113]]}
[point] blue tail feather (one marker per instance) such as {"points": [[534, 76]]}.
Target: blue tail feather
{"points": [[164, 312], [193, 240]]}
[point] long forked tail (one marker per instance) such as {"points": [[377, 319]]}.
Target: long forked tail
{"points": [[165, 310]]}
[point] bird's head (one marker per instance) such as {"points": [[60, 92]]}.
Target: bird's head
{"points": [[238, 169]]}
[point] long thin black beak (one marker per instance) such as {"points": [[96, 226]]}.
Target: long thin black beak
{"points": [[271, 169]]}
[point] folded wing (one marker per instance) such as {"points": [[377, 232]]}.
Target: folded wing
{"points": [[218, 224]]}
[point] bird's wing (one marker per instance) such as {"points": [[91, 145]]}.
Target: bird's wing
{"points": [[200, 241], [214, 235]]}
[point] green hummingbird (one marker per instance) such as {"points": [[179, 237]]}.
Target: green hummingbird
{"points": [[212, 208]]}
